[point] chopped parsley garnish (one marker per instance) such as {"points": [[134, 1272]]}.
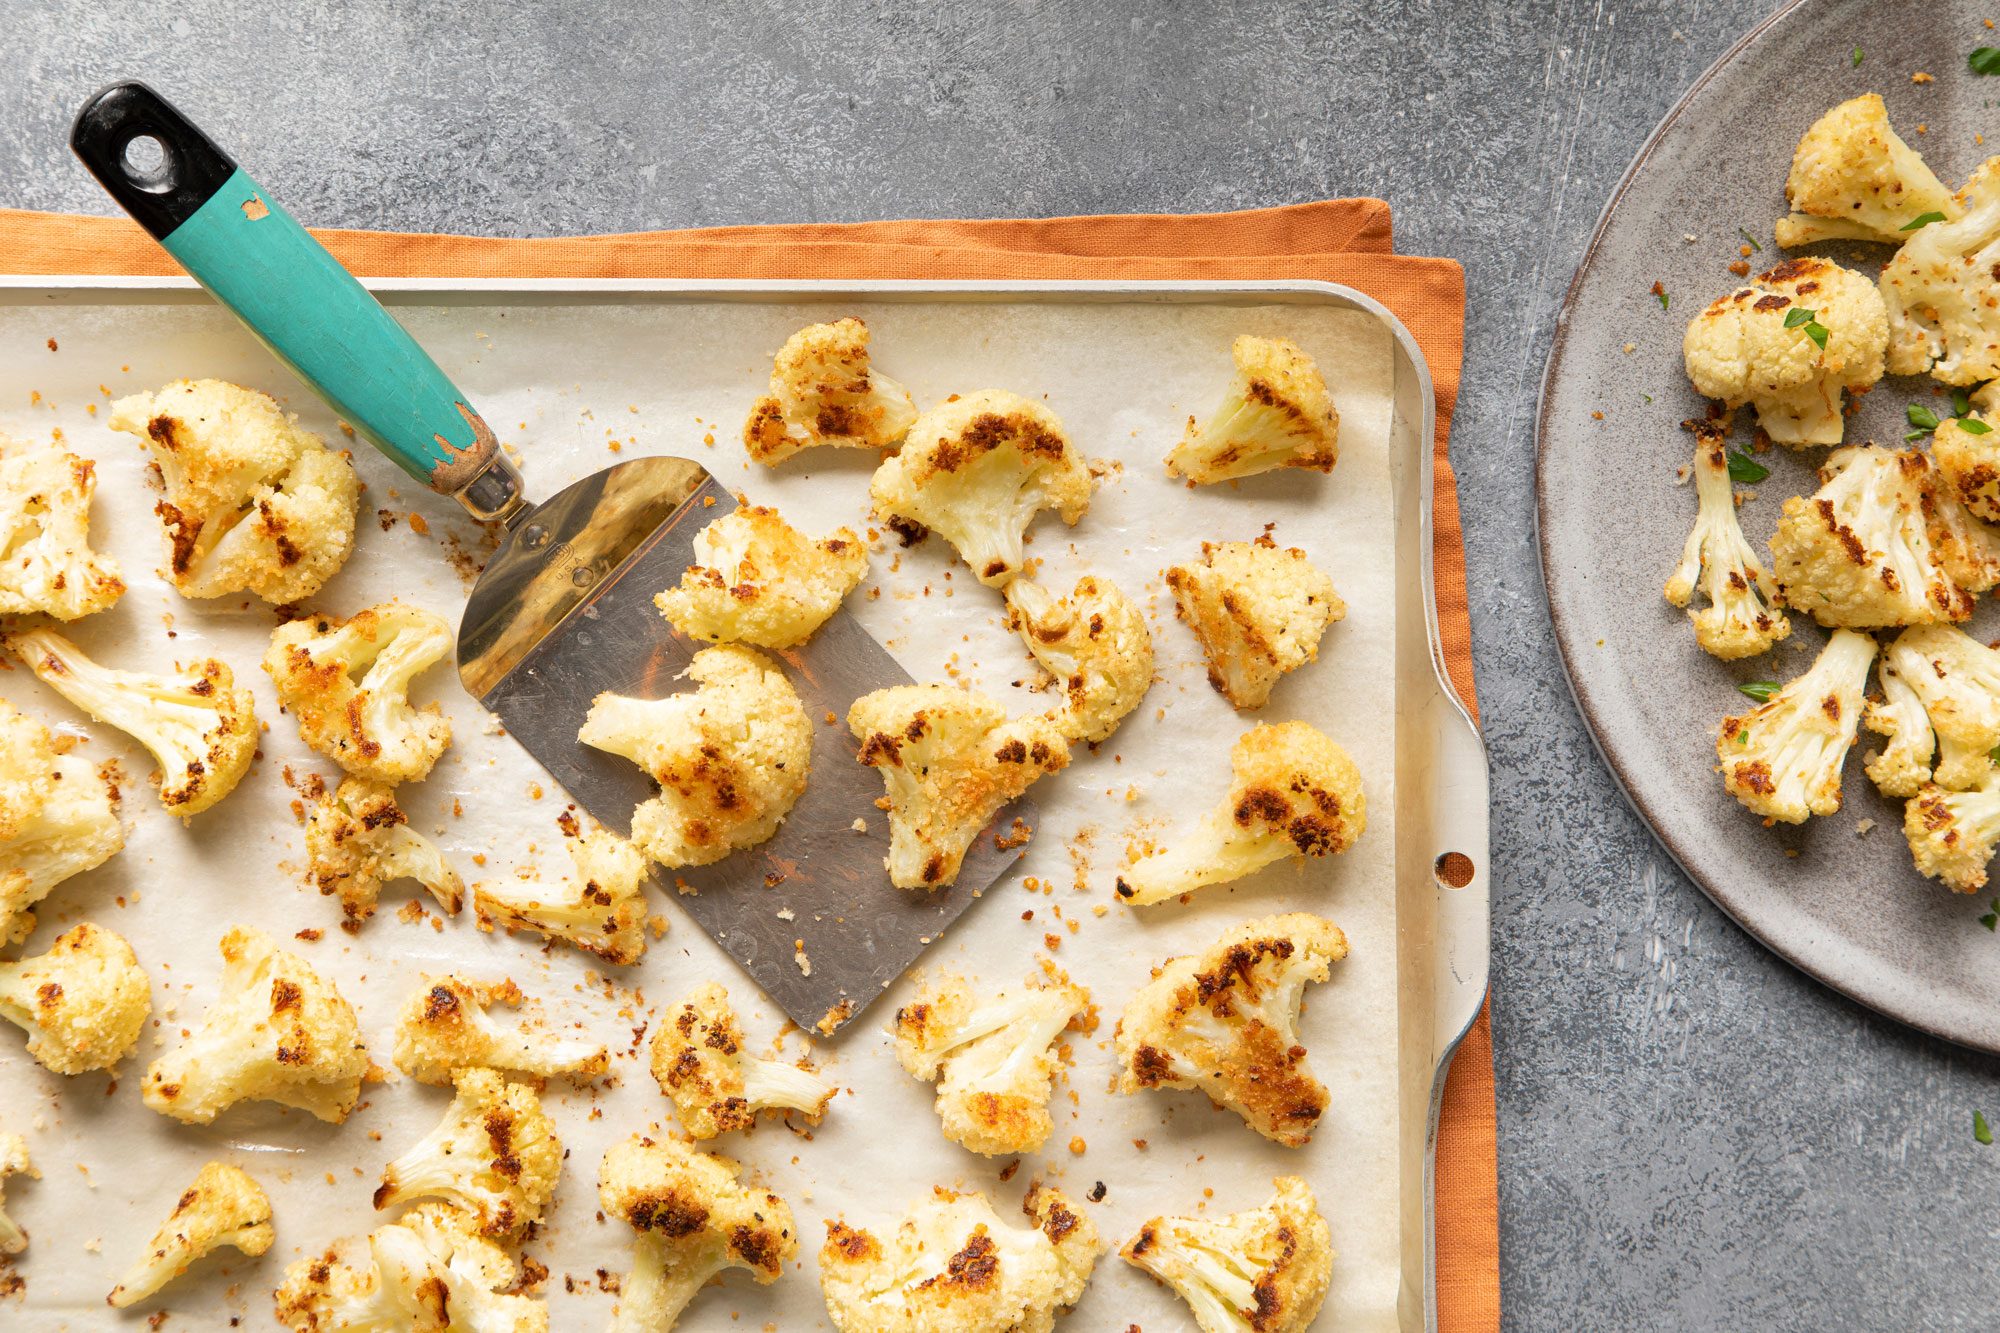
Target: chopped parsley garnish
{"points": [[1760, 690], [1857, 59], [1660, 292], [1749, 240], [1991, 920], [1744, 468], [1984, 60], [1798, 317], [1981, 1131], [1973, 426], [1920, 221], [1921, 417], [1961, 402]]}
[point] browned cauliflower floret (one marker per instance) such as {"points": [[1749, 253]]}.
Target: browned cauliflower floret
{"points": [[600, 909], [977, 469], [1966, 451], [1942, 295], [1225, 1021], [46, 563], [990, 1058], [444, 1030], [1859, 552], [13, 1162], [1742, 617], [1788, 344], [1258, 610], [348, 684], [82, 1003], [1277, 414], [1095, 643], [825, 391], [694, 1219], [700, 1064], [1940, 709], [951, 759], [253, 503], [277, 1032], [224, 1206], [1854, 179], [1263, 1270], [57, 819], [358, 839], [495, 1154], [429, 1272], [1782, 759], [756, 579], [1953, 834]]}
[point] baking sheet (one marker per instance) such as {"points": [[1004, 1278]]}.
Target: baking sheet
{"points": [[573, 387]]}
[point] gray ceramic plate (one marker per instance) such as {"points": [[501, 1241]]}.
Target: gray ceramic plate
{"points": [[1843, 904]]}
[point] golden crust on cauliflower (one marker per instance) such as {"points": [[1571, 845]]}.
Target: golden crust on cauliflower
{"points": [[14, 1161], [732, 756], [1258, 610], [495, 1155], [977, 469], [1859, 552], [1940, 292], [990, 1058], [1263, 1269], [430, 1272], [824, 390], [1782, 759], [1966, 451], [1225, 1021], [358, 839], [1742, 617], [1953, 834], [57, 819], [1940, 710], [82, 1004], [1854, 179], [1277, 414], [444, 1030], [46, 564], [1095, 644], [951, 760], [348, 684], [253, 503], [700, 1064], [224, 1206], [600, 909], [759, 580]]}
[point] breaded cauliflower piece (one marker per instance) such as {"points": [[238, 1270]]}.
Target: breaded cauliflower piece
{"points": [[990, 1058], [977, 469], [1858, 552], [1263, 1270], [1258, 610], [1966, 451], [357, 840], [224, 1206], [694, 1219], [199, 727], [1782, 759], [1293, 792], [1788, 344], [1095, 643], [1941, 295], [758, 580], [82, 1004], [601, 909], [1854, 179], [46, 564], [700, 1064], [731, 756], [1225, 1021], [951, 760], [57, 819], [1742, 617], [14, 1161], [1940, 709], [952, 1264], [429, 1272], [277, 1032], [253, 503], [1953, 834], [1277, 414], [348, 684], [495, 1155], [824, 390], [444, 1030]]}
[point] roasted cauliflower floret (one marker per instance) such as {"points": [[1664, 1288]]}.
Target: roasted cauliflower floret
{"points": [[1940, 709], [825, 391], [1277, 414], [1953, 834], [495, 1154], [357, 840], [14, 1161], [199, 727], [56, 820], [600, 909], [1782, 759], [1225, 1021], [46, 564], [444, 1030], [1941, 295], [756, 579], [700, 1064], [277, 1032], [1263, 1270], [429, 1272], [977, 470], [1966, 451], [1858, 552], [1742, 617], [990, 1058], [1258, 610], [348, 684], [82, 1003], [1293, 792], [953, 1264], [1854, 179], [1788, 344], [694, 1219], [253, 503], [731, 756], [1095, 643], [951, 760], [224, 1206]]}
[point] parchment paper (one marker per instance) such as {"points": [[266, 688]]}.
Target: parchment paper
{"points": [[573, 388]]}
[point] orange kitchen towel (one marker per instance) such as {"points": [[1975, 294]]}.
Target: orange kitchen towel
{"points": [[1345, 240]]}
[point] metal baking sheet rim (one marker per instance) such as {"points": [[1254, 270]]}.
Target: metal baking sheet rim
{"points": [[1452, 755]]}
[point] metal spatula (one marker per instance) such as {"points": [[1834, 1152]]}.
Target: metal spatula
{"points": [[564, 610]]}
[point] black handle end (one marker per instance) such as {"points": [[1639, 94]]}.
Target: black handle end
{"points": [[161, 194]]}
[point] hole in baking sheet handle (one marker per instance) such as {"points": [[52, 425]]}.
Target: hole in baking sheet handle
{"points": [[1453, 870]]}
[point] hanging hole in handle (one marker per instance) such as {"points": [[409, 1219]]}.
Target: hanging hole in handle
{"points": [[147, 164], [1453, 870]]}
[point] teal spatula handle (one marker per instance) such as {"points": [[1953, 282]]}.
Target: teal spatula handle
{"points": [[295, 297]]}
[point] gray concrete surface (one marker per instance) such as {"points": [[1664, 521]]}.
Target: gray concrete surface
{"points": [[1691, 1134]]}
